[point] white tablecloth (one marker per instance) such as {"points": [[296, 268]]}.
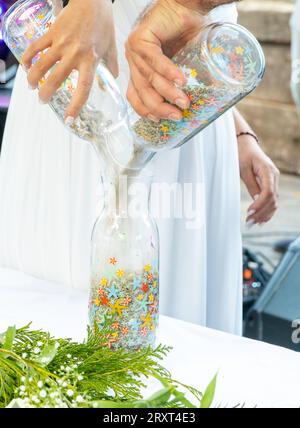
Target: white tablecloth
{"points": [[250, 372]]}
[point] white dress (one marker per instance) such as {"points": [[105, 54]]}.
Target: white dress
{"points": [[49, 183]]}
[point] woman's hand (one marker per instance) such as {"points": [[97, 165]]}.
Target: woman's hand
{"points": [[261, 178], [164, 28], [82, 34]]}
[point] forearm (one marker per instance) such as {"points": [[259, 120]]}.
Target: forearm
{"points": [[241, 124], [65, 2], [204, 5]]}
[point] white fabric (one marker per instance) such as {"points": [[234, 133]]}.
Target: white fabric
{"points": [[48, 198], [249, 372]]}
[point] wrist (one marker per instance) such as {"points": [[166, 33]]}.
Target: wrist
{"points": [[249, 135]]}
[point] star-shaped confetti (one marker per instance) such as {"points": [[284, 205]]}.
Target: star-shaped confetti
{"points": [[104, 281], [145, 287], [136, 284], [147, 268], [113, 261], [147, 320], [239, 50], [117, 307], [112, 292], [120, 273]]}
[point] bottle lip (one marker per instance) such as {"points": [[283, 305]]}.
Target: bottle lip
{"points": [[215, 65]]}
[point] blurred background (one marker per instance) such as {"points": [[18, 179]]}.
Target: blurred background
{"points": [[271, 252]]}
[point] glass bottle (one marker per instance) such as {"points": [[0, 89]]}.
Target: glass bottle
{"points": [[124, 265], [28, 20]]}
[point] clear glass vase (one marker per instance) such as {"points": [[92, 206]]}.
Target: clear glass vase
{"points": [[124, 266]]}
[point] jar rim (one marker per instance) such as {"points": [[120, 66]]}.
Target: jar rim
{"points": [[252, 38]]}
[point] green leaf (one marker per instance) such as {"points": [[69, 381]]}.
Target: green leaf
{"points": [[161, 397], [48, 354], [209, 394], [9, 338]]}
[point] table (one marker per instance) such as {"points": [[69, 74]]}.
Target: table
{"points": [[249, 372]]}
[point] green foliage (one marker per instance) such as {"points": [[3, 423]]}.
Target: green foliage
{"points": [[37, 370]]}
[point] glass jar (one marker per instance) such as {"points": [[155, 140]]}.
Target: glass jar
{"points": [[125, 272], [222, 65], [28, 20]]}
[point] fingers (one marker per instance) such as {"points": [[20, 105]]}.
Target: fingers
{"points": [[251, 183], [137, 104], [81, 95], [112, 61], [168, 90], [152, 54], [266, 203], [37, 46], [53, 82], [41, 67], [152, 103]]}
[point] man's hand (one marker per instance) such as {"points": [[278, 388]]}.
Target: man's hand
{"points": [[82, 35], [165, 27], [163, 30], [261, 178]]}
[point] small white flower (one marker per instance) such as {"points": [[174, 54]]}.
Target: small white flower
{"points": [[65, 384], [40, 384], [62, 367], [75, 366], [80, 377], [79, 398], [23, 379], [21, 393], [22, 388], [52, 395], [70, 393], [69, 356], [43, 393], [68, 369], [36, 350], [24, 355], [30, 379], [40, 344]]}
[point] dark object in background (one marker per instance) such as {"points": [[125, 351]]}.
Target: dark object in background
{"points": [[282, 246], [255, 279], [6, 88], [271, 318]]}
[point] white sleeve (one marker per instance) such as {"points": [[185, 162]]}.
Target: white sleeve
{"points": [[225, 13]]}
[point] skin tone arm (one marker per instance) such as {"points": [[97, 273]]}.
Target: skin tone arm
{"points": [[164, 28], [81, 36], [259, 174]]}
